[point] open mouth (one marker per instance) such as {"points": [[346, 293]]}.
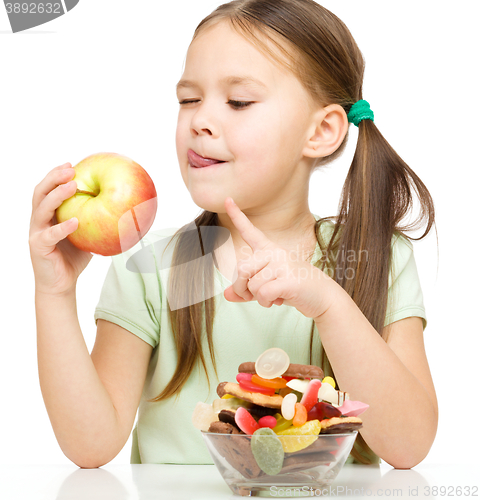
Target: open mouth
{"points": [[198, 161]]}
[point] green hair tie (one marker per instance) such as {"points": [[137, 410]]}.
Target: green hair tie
{"points": [[360, 111]]}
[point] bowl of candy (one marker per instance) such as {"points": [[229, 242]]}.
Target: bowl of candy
{"points": [[281, 430]]}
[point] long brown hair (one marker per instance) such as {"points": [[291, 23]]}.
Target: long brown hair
{"points": [[377, 194]]}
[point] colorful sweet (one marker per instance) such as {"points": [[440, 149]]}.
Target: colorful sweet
{"points": [[203, 416], [322, 410], [307, 434], [271, 398], [288, 406], [300, 416], [268, 451], [272, 363], [353, 408], [310, 396], [267, 421], [245, 421]]}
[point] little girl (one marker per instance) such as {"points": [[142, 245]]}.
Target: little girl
{"points": [[268, 91]]}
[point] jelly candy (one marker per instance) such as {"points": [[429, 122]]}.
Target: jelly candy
{"points": [[268, 451], [288, 406], [245, 421], [282, 424], [250, 387], [274, 383], [229, 404], [298, 385], [298, 438], [272, 363], [300, 415], [310, 396], [244, 376], [327, 393], [267, 421], [353, 408], [329, 380], [322, 410], [203, 416]]}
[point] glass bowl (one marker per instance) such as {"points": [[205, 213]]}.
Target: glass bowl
{"points": [[310, 463]]}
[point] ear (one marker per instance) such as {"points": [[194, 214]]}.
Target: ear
{"points": [[327, 131]]}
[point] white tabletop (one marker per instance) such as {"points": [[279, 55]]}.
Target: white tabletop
{"points": [[183, 482]]}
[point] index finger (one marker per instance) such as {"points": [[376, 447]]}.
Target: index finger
{"points": [[250, 234], [53, 179]]}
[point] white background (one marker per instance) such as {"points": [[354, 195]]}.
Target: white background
{"points": [[102, 78]]}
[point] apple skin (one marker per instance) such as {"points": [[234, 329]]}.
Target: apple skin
{"points": [[115, 204]]}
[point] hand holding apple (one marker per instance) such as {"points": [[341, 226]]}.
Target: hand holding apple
{"points": [[115, 204]]}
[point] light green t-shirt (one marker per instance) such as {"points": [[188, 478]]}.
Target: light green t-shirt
{"points": [[164, 432]]}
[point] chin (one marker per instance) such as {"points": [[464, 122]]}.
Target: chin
{"points": [[209, 201]]}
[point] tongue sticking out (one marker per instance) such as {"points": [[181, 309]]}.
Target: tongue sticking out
{"points": [[199, 161]]}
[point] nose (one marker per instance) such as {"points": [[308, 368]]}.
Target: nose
{"points": [[203, 121]]}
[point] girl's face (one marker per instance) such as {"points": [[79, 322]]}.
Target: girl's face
{"points": [[260, 143]]}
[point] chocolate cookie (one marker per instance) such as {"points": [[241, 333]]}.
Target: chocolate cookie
{"points": [[228, 416], [302, 461], [338, 425], [253, 397], [237, 452], [224, 428], [294, 370]]}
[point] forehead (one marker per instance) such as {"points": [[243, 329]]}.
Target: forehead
{"points": [[223, 55]]}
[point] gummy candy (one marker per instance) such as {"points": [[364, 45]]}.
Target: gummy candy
{"points": [[299, 437], [353, 408], [322, 410], [300, 415], [267, 450], [298, 385], [329, 380], [282, 424], [328, 393], [272, 363], [267, 421], [245, 421], [251, 387], [243, 376], [310, 396], [274, 383], [203, 416], [288, 406]]}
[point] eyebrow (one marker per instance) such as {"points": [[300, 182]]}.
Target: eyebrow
{"points": [[228, 80]]}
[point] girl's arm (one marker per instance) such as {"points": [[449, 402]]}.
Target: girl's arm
{"points": [[91, 400], [391, 376]]}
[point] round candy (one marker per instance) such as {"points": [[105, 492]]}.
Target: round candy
{"points": [[267, 421], [274, 383], [329, 380], [288, 406], [267, 450], [272, 363], [244, 376]]}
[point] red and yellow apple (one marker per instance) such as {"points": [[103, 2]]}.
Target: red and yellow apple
{"points": [[115, 204]]}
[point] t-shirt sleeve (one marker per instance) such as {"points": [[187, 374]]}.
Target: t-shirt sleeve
{"points": [[131, 297], [405, 297]]}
